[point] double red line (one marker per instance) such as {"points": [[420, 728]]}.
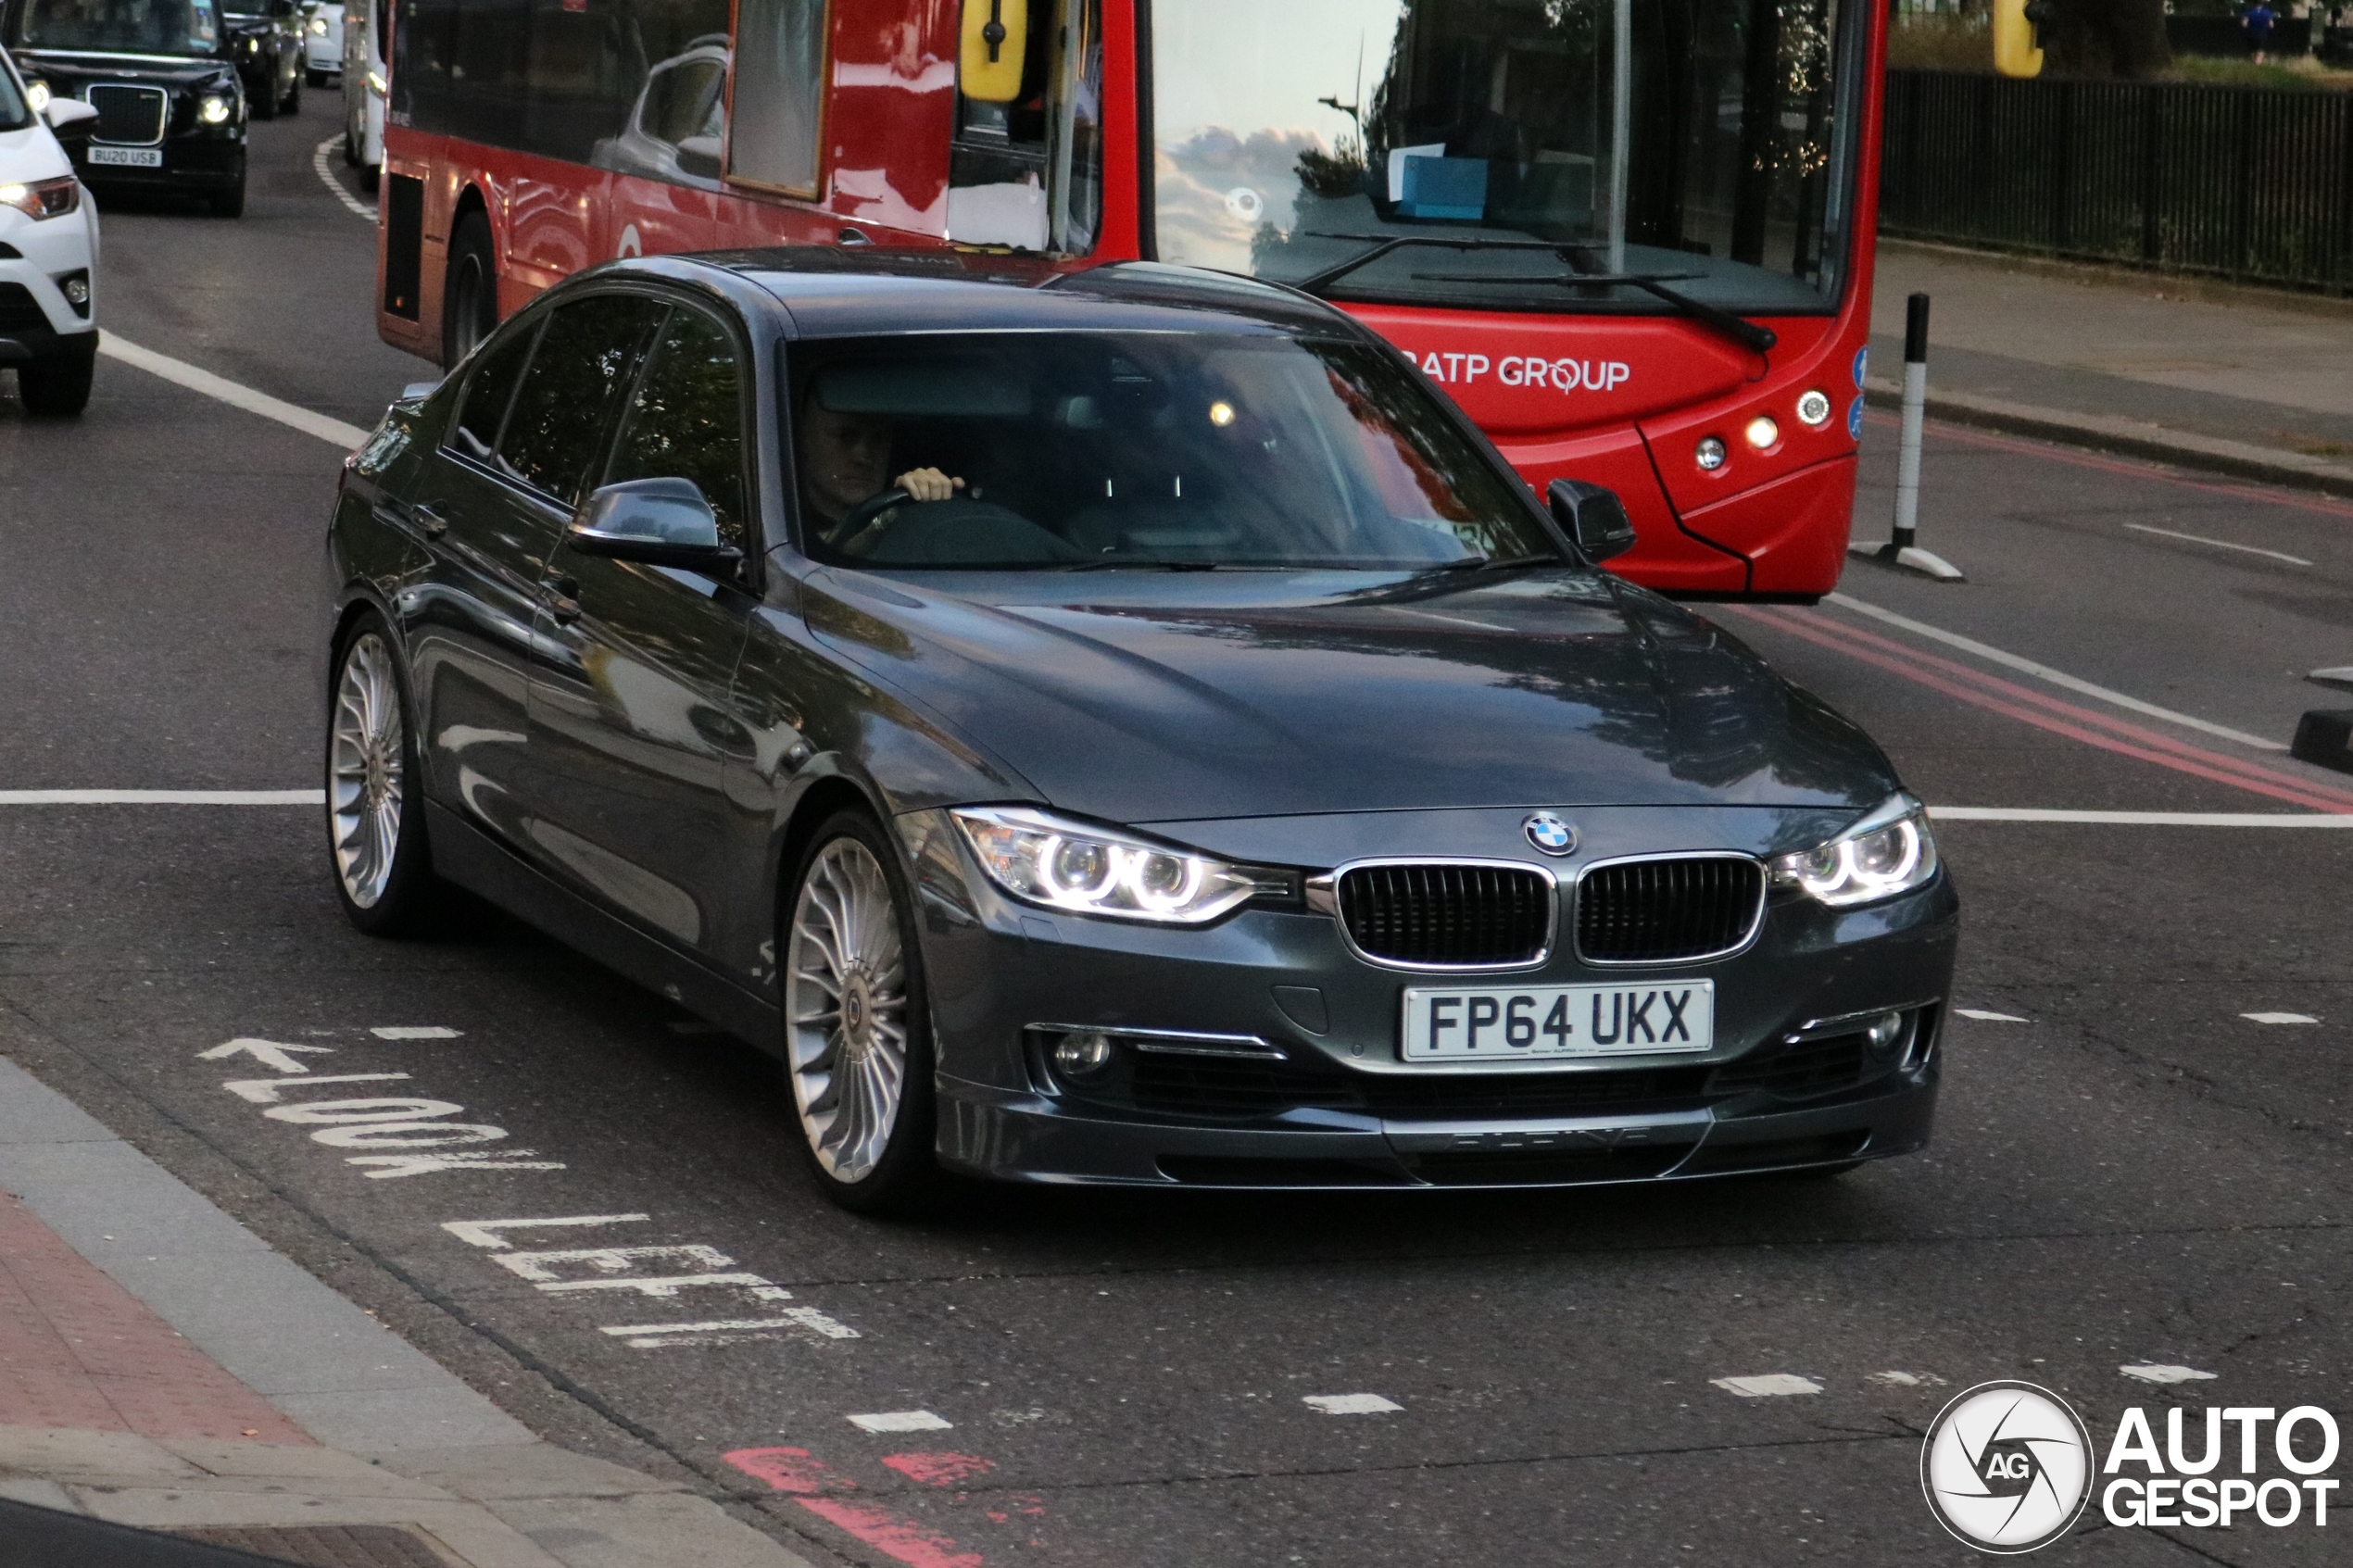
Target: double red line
{"points": [[1996, 695]]}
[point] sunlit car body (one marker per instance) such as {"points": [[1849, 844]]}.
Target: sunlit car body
{"points": [[322, 42], [48, 249], [1257, 787]]}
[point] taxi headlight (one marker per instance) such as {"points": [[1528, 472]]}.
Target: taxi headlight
{"points": [[37, 95], [213, 109], [43, 198], [1888, 852], [1043, 859]]}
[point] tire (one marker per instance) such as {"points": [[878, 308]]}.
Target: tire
{"points": [[470, 290], [853, 986], [350, 145], [313, 78], [57, 387], [230, 203], [376, 848]]}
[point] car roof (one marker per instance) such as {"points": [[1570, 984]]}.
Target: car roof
{"points": [[831, 292]]}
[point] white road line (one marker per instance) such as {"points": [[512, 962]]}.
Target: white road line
{"points": [[1767, 1385], [2279, 1018], [901, 1420], [2045, 672], [412, 1032], [2218, 544], [327, 178], [2145, 819], [1350, 1404], [237, 395], [163, 797], [1985, 1017], [2152, 1372]]}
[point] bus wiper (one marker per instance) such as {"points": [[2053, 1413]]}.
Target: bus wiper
{"points": [[1317, 283], [1747, 334]]}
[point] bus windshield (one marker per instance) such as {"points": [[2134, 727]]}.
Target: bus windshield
{"points": [[157, 27], [1514, 154]]}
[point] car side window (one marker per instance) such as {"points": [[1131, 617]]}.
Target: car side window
{"points": [[489, 391], [686, 419], [589, 352]]}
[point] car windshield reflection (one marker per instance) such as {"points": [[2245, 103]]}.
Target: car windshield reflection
{"points": [[1033, 450]]}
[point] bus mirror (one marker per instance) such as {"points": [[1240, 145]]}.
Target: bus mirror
{"points": [[996, 43], [2017, 35]]}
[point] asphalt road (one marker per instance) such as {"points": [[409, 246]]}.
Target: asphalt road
{"points": [[2128, 1172]]}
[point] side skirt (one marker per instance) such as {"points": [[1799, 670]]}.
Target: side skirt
{"points": [[471, 858]]}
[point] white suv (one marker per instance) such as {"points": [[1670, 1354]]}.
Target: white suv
{"points": [[49, 250]]}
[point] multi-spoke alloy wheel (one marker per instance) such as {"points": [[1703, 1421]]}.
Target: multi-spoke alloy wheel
{"points": [[367, 771], [853, 1021]]}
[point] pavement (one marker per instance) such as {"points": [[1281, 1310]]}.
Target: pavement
{"points": [[162, 1367], [2241, 380]]}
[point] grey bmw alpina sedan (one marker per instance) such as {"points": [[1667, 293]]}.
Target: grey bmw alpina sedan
{"points": [[1114, 726]]}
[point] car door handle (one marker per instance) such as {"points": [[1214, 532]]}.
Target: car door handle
{"points": [[429, 519]]}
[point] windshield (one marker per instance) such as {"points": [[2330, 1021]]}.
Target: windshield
{"points": [[15, 114], [1140, 450], [1701, 145], [123, 27]]}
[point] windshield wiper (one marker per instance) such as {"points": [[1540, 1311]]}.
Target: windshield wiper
{"points": [[1145, 562], [1747, 334], [1492, 563]]}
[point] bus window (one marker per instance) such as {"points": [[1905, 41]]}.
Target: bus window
{"points": [[1029, 173], [779, 90]]}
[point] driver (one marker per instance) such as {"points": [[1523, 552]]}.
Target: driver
{"points": [[845, 460]]}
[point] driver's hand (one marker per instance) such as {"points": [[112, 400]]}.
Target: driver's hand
{"points": [[929, 484]]}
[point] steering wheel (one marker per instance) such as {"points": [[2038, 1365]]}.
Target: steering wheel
{"points": [[862, 517]]}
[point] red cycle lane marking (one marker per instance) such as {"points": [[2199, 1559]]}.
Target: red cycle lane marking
{"points": [[939, 1470], [2143, 469], [2044, 700], [2027, 714], [811, 1482]]}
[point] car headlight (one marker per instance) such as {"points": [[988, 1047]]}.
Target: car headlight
{"points": [[317, 27], [214, 109], [43, 198], [37, 95], [1092, 870], [1888, 852]]}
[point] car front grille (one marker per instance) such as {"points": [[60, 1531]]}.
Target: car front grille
{"points": [[19, 311], [1448, 916], [1668, 910], [128, 113], [1233, 1089]]}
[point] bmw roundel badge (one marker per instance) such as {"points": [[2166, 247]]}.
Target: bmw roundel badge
{"points": [[1550, 834]]}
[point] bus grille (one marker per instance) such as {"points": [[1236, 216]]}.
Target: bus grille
{"points": [[1665, 911]]}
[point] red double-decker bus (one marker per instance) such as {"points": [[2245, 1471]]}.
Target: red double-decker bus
{"points": [[1633, 238]]}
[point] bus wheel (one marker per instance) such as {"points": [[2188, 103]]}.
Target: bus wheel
{"points": [[470, 298]]}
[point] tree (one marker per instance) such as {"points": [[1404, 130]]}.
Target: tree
{"points": [[2122, 38]]}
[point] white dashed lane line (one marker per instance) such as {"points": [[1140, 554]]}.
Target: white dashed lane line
{"points": [[2150, 1371], [237, 395], [163, 797], [413, 1032], [1350, 1404], [1772, 1385], [1984, 1017], [901, 1420], [2279, 1017], [327, 177]]}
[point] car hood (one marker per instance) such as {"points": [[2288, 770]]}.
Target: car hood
{"points": [[1177, 697], [32, 154]]}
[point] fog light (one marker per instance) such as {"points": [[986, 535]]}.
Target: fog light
{"points": [[75, 286], [212, 109], [1710, 454], [1762, 432], [1082, 1056], [1814, 408], [1884, 1033]]}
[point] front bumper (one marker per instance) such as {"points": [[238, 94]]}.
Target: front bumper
{"points": [[36, 319], [191, 162], [1332, 1105]]}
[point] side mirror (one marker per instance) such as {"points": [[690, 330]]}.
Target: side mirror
{"points": [[659, 522], [995, 44], [69, 116], [699, 158], [1592, 517]]}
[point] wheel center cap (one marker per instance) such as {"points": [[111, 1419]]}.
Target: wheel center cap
{"points": [[857, 1010]]}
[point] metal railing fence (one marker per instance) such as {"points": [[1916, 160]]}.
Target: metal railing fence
{"points": [[2246, 182]]}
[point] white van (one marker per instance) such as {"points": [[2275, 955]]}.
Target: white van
{"points": [[364, 67], [48, 249], [322, 42]]}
